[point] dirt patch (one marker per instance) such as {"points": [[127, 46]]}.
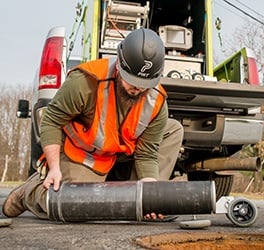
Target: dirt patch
{"points": [[201, 241]]}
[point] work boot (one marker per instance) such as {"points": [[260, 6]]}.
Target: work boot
{"points": [[13, 205]]}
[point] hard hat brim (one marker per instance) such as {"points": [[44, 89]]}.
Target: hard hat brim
{"points": [[137, 81]]}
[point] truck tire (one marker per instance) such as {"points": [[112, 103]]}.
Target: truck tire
{"points": [[223, 183]]}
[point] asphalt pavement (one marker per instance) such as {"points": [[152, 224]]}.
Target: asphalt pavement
{"points": [[29, 232]]}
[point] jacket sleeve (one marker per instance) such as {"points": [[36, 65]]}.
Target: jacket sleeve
{"points": [[74, 98], [146, 152]]}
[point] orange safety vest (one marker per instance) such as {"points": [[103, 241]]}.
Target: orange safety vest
{"points": [[96, 147]]}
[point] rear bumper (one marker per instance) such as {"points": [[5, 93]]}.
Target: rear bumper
{"points": [[218, 130], [242, 131]]}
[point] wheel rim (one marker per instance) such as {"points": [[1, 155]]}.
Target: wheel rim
{"points": [[242, 212]]}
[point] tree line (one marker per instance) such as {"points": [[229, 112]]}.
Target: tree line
{"points": [[14, 134]]}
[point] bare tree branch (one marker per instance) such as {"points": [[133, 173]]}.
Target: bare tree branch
{"points": [[14, 132]]}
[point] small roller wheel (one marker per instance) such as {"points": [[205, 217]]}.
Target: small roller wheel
{"points": [[242, 212], [174, 74], [197, 76], [187, 75]]}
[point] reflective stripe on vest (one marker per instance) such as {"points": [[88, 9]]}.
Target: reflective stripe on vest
{"points": [[146, 116], [100, 135], [96, 147]]}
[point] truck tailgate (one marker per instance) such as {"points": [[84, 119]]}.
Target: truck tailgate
{"points": [[212, 96]]}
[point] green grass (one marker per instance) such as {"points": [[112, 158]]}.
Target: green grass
{"points": [[10, 184]]}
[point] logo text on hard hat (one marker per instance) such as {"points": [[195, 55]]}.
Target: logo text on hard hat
{"points": [[146, 66]]}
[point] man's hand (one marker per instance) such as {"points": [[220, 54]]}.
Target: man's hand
{"points": [[153, 216], [54, 177]]}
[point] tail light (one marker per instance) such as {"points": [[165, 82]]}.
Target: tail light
{"points": [[253, 76], [51, 64]]}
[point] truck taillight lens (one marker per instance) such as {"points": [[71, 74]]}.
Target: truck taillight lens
{"points": [[51, 65], [253, 76]]}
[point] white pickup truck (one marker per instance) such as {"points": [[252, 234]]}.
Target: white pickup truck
{"points": [[218, 118]]}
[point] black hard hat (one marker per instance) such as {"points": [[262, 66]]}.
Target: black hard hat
{"points": [[141, 58]]}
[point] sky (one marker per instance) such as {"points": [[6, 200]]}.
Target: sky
{"points": [[24, 26], [232, 19]]}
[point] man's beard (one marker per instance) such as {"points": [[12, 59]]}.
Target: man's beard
{"points": [[125, 97]]}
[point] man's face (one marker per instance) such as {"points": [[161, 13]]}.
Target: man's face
{"points": [[129, 94]]}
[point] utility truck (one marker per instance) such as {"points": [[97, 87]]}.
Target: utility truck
{"points": [[219, 109]]}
